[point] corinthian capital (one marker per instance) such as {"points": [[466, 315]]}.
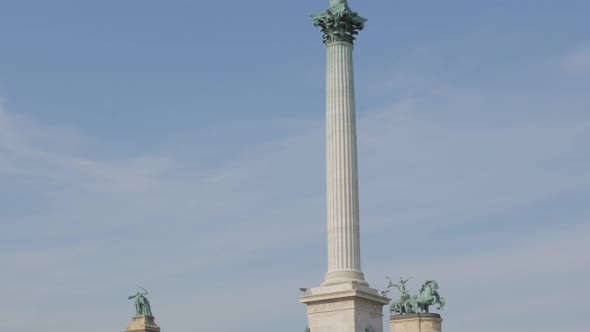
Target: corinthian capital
{"points": [[339, 23]]}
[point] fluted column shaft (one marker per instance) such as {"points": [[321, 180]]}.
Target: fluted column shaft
{"points": [[344, 260]]}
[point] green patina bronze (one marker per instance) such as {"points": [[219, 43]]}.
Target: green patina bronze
{"points": [[427, 296], [337, 2], [339, 23], [421, 302], [398, 307], [142, 305], [307, 329]]}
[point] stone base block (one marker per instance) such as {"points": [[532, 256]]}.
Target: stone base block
{"points": [[347, 307], [143, 323], [415, 323]]}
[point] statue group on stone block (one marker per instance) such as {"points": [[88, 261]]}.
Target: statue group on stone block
{"points": [[407, 304]]}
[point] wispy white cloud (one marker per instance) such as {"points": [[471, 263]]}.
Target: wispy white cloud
{"points": [[425, 170], [30, 150]]}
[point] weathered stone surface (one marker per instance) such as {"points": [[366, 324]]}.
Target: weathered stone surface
{"points": [[423, 322], [143, 323], [349, 307]]}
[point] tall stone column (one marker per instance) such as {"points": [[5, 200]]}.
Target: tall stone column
{"points": [[344, 302], [344, 254]]}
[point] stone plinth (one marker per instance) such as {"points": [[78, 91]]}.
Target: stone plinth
{"points": [[415, 323], [143, 323], [349, 307]]}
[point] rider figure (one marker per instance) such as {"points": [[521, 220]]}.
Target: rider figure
{"points": [[402, 287]]}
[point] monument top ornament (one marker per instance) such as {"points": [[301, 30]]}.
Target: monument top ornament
{"points": [[339, 23], [336, 2]]}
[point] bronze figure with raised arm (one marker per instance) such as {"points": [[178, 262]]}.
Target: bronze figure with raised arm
{"points": [[142, 305]]}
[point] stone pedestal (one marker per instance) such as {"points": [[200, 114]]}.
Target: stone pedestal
{"points": [[347, 307], [415, 323], [143, 323]]}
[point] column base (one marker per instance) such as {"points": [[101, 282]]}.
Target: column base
{"points": [[347, 307], [143, 323], [415, 323], [344, 277]]}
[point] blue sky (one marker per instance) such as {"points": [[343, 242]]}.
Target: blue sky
{"points": [[178, 145]]}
